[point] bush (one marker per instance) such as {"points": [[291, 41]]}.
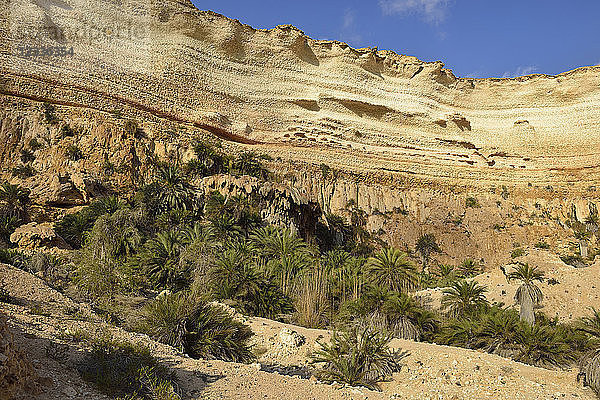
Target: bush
{"points": [[542, 245], [4, 295], [8, 224], [15, 258], [34, 144], [102, 267], [23, 171], [27, 156], [499, 331], [471, 202], [518, 252], [74, 153], [123, 369], [67, 131], [50, 114], [358, 357], [73, 228], [199, 329]]}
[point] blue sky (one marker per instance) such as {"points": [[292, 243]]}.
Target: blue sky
{"points": [[475, 38]]}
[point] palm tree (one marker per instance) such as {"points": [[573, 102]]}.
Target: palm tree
{"points": [[14, 200], [225, 227], [458, 332], [282, 252], [589, 367], [498, 332], [468, 268], [234, 277], [528, 295], [248, 163], [160, 259], [403, 313], [590, 325], [464, 298], [357, 357], [174, 192], [425, 246], [543, 346], [390, 268], [339, 266], [199, 329]]}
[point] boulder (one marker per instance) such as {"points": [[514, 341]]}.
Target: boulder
{"points": [[34, 235], [290, 338]]}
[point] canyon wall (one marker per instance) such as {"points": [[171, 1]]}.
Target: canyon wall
{"points": [[408, 141]]}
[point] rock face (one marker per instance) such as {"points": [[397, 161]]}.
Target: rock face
{"points": [[282, 205], [404, 139], [301, 98], [34, 235]]}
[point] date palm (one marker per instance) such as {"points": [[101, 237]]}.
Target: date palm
{"points": [[528, 295], [403, 314], [426, 245], [282, 252], [590, 325], [468, 268], [160, 259], [358, 357], [544, 346], [589, 368], [174, 191], [391, 269], [464, 298], [14, 200], [498, 332]]}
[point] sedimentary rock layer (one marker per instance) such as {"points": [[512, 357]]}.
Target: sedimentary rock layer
{"points": [[286, 94]]}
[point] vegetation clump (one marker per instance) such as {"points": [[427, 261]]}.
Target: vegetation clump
{"points": [[197, 328], [122, 369], [358, 357]]}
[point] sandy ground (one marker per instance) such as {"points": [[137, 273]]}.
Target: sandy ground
{"points": [[571, 298], [428, 372]]}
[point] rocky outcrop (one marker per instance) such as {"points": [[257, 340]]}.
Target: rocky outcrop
{"points": [[281, 204], [34, 236], [285, 93]]}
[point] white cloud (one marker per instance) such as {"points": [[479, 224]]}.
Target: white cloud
{"points": [[348, 19], [434, 11], [521, 71], [348, 31]]}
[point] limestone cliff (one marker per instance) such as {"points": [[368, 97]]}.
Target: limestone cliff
{"points": [[407, 135]]}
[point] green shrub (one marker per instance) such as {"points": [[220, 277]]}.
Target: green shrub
{"points": [[34, 144], [50, 114], [358, 357], [67, 131], [27, 156], [130, 127], [5, 297], [468, 268], [574, 260], [74, 153], [199, 329], [73, 228], [471, 202], [8, 224], [23, 171], [518, 252], [14, 257], [542, 245], [499, 331], [123, 369]]}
